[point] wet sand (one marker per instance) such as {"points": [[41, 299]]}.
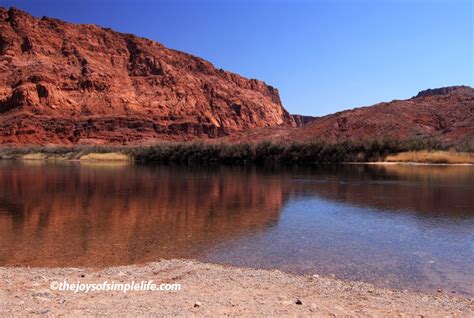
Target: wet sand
{"points": [[216, 290]]}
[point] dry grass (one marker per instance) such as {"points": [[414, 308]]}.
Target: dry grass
{"points": [[38, 156], [109, 156], [432, 157], [34, 156]]}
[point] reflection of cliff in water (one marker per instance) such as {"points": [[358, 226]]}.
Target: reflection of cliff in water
{"points": [[425, 190], [75, 215]]}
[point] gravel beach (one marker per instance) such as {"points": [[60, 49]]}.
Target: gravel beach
{"points": [[208, 289]]}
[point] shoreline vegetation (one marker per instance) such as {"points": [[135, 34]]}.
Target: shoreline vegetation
{"points": [[214, 290], [300, 153]]}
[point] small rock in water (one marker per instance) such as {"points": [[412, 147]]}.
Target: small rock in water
{"points": [[298, 302], [197, 304]]}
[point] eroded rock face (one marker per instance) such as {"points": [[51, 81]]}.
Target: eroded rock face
{"points": [[466, 90], [301, 120], [64, 83]]}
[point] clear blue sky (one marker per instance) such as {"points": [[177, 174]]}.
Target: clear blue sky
{"points": [[323, 56]]}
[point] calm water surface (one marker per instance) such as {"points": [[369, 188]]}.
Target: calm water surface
{"points": [[396, 226]]}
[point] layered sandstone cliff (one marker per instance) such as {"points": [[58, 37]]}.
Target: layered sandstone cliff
{"points": [[63, 83]]}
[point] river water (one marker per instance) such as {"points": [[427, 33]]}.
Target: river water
{"points": [[405, 227]]}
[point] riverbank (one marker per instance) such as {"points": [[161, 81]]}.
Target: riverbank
{"points": [[208, 289], [300, 153]]}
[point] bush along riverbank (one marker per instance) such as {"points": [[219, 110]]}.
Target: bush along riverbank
{"points": [[255, 153]]}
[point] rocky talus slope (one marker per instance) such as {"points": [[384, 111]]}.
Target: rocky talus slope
{"points": [[446, 114]]}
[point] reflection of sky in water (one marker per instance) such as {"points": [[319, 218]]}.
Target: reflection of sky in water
{"points": [[397, 249], [326, 231], [403, 227]]}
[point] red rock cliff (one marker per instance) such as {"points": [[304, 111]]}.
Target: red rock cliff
{"points": [[62, 83]]}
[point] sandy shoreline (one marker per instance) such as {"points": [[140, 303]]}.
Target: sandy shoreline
{"points": [[211, 289]]}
